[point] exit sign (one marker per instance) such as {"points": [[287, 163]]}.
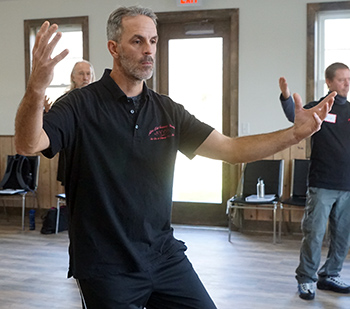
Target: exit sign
{"points": [[189, 2]]}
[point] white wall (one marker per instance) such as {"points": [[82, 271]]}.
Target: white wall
{"points": [[272, 43]]}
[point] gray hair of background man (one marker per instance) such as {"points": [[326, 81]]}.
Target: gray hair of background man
{"points": [[331, 69], [114, 23], [72, 84]]}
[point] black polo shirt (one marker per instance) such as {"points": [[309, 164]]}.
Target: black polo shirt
{"points": [[330, 148], [119, 174]]}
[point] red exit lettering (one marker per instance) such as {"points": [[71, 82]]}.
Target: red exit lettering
{"points": [[188, 1]]}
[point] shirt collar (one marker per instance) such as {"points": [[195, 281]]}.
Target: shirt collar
{"points": [[339, 99], [113, 87]]}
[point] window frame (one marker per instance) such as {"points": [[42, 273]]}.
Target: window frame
{"points": [[312, 69], [211, 213]]}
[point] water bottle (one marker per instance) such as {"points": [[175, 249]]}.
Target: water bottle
{"points": [[260, 188], [32, 219]]}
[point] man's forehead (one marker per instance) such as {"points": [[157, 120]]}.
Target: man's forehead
{"points": [[137, 21], [342, 72], [140, 26], [83, 65]]}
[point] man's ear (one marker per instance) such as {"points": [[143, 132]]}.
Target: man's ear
{"points": [[112, 47]]}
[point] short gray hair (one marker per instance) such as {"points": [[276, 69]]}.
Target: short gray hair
{"points": [[330, 71], [114, 23]]}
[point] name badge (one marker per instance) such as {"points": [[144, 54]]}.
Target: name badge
{"points": [[332, 118]]}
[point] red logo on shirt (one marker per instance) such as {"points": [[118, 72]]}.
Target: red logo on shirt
{"points": [[162, 132]]}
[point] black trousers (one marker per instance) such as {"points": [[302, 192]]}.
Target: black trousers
{"points": [[172, 284]]}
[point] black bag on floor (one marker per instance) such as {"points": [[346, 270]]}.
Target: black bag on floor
{"points": [[18, 174], [49, 221]]}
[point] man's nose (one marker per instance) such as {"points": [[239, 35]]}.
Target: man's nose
{"points": [[148, 48]]}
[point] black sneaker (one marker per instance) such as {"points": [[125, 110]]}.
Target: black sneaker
{"points": [[334, 284], [306, 290]]}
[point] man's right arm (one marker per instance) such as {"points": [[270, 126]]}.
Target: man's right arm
{"points": [[29, 134], [256, 147]]}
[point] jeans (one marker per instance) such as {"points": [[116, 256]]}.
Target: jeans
{"points": [[322, 206]]}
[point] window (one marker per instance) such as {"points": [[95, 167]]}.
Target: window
{"points": [[202, 96], [75, 38], [332, 45], [327, 25]]}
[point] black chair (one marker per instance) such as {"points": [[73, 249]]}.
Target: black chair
{"points": [[271, 171], [61, 199], [299, 184], [18, 191]]}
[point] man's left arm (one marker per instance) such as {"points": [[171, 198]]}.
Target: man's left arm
{"points": [[256, 147]]}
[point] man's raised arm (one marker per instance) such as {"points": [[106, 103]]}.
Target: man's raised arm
{"points": [[256, 147], [29, 134]]}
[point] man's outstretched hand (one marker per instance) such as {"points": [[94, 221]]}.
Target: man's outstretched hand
{"points": [[309, 121], [29, 134], [42, 64]]}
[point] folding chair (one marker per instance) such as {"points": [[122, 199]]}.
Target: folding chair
{"points": [[19, 191], [271, 171], [61, 198], [299, 184]]}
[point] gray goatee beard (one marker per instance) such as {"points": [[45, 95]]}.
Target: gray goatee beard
{"points": [[134, 71]]}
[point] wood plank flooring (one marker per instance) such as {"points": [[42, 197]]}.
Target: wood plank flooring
{"points": [[249, 273]]}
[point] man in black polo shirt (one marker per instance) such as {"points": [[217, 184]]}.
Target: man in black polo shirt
{"points": [[328, 193], [120, 139]]}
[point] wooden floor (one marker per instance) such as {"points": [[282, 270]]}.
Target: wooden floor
{"points": [[249, 273]]}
